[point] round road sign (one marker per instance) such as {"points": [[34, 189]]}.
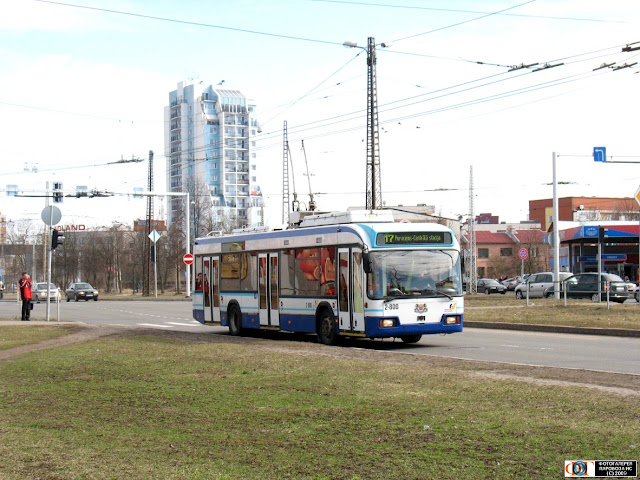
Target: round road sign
{"points": [[51, 215], [523, 253], [187, 259]]}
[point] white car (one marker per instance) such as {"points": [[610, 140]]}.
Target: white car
{"points": [[539, 284], [40, 292]]}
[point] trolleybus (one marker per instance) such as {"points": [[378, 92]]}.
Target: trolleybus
{"points": [[354, 274]]}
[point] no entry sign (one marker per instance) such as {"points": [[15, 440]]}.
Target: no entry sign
{"points": [[187, 259]]}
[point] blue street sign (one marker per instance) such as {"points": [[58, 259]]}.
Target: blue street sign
{"points": [[599, 154], [607, 257]]}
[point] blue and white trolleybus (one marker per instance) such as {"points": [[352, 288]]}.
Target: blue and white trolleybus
{"points": [[354, 274]]}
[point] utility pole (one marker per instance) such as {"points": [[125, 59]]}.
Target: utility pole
{"points": [[374, 187], [472, 269], [285, 176], [147, 241]]}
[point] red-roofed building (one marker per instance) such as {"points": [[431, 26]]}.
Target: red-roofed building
{"points": [[497, 252]]}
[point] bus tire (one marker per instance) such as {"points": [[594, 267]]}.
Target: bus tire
{"points": [[411, 338], [235, 321], [326, 327]]}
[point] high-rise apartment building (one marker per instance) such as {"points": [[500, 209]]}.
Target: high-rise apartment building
{"points": [[210, 149]]}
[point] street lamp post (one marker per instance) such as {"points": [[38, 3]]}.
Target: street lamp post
{"points": [[556, 236]]}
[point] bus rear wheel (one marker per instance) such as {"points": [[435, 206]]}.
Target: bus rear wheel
{"points": [[411, 338], [326, 328], [235, 321]]}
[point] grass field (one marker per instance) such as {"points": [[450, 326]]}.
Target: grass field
{"points": [[544, 311], [151, 406], [14, 335]]}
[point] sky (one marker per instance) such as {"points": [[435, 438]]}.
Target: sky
{"points": [[84, 84]]}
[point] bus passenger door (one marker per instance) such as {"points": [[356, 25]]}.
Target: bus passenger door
{"points": [[214, 289], [357, 284], [211, 289], [268, 289], [350, 290], [205, 285]]}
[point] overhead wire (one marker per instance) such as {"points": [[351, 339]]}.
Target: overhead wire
{"points": [[288, 37], [451, 10], [187, 22], [461, 23]]}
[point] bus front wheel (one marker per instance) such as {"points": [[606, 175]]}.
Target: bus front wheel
{"points": [[411, 338], [326, 328], [235, 321]]}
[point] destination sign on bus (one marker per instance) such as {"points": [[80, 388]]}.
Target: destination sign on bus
{"points": [[414, 238]]}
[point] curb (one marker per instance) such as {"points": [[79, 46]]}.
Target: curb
{"points": [[614, 332]]}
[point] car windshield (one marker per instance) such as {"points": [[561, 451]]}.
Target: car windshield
{"points": [[612, 277], [83, 286], [43, 286], [425, 273], [491, 282]]}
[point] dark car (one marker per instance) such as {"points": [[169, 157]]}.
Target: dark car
{"points": [[81, 291], [585, 285], [489, 285]]}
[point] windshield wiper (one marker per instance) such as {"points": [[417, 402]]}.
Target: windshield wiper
{"points": [[444, 294]]}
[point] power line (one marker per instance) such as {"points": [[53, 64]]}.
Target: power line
{"points": [[462, 23], [186, 22], [450, 10]]}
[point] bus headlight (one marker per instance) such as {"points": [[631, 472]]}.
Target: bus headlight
{"points": [[387, 322], [452, 320]]}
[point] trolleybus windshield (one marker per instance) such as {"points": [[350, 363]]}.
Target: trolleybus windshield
{"points": [[423, 273]]}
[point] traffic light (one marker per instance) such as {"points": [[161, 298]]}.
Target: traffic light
{"points": [[57, 193], [602, 234], [57, 238]]}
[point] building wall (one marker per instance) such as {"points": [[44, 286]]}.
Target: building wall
{"points": [[541, 210]]}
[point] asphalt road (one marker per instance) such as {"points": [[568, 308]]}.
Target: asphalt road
{"points": [[590, 352]]}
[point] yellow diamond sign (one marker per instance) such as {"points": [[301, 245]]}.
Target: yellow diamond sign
{"points": [[638, 195]]}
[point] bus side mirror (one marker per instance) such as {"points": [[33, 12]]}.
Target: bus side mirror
{"points": [[366, 262]]}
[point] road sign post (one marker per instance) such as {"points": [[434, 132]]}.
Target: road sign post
{"points": [[523, 253], [637, 196], [154, 236]]}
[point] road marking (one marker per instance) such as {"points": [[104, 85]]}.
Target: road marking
{"points": [[196, 324], [155, 325]]}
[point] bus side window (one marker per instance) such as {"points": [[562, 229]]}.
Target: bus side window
{"points": [[198, 275], [327, 271]]}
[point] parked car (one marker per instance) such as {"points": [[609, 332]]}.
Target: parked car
{"points": [[40, 292], [512, 283], [538, 284], [636, 294], [81, 291], [489, 285], [585, 285]]}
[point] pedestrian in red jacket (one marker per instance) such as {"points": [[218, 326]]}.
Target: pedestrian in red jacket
{"points": [[26, 296]]}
